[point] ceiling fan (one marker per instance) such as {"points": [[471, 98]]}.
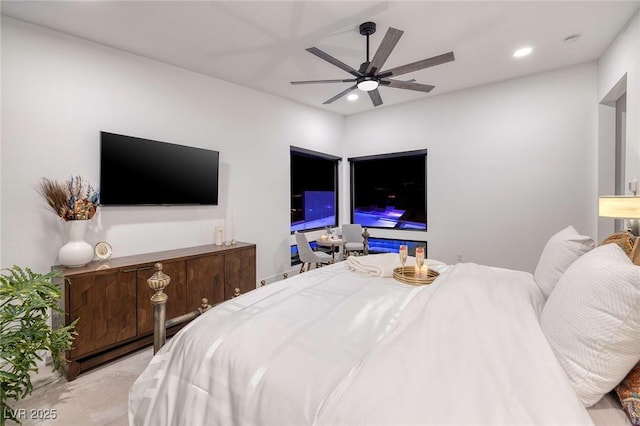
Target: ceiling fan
{"points": [[369, 76]]}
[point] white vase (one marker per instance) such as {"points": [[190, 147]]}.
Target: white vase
{"points": [[76, 252]]}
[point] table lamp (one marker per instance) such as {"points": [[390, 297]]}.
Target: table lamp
{"points": [[621, 207]]}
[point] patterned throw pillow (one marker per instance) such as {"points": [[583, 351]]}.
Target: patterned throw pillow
{"points": [[624, 239], [629, 393], [627, 242], [629, 389]]}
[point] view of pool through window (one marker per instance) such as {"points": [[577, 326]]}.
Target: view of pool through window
{"points": [[314, 180], [390, 190]]}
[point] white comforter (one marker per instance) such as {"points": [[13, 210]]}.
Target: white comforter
{"points": [[331, 347]]}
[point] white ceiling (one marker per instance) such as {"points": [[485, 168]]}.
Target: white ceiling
{"points": [[262, 44]]}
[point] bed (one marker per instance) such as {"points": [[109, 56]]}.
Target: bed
{"points": [[336, 347]]}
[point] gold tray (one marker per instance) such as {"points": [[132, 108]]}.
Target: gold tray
{"points": [[407, 275]]}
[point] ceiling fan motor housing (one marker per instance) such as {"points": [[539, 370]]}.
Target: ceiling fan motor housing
{"points": [[367, 28]]}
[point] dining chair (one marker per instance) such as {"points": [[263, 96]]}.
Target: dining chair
{"points": [[354, 241], [308, 256]]}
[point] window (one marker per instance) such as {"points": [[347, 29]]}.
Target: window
{"points": [[314, 190], [388, 245], [390, 190]]}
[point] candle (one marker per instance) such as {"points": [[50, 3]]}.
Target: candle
{"points": [[424, 271]]}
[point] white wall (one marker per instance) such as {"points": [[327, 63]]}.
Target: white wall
{"points": [[59, 92], [621, 58], [606, 163], [509, 164]]}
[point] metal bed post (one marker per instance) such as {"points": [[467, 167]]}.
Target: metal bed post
{"points": [[158, 281]]}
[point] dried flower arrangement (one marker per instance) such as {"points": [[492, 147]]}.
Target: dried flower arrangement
{"points": [[74, 200]]}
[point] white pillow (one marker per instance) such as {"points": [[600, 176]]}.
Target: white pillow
{"points": [[592, 321], [561, 250]]}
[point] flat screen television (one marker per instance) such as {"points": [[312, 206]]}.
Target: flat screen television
{"points": [[136, 171]]}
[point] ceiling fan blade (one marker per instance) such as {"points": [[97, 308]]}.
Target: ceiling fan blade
{"points": [[415, 66], [338, 63], [386, 47], [375, 97], [350, 80], [409, 85], [339, 95]]}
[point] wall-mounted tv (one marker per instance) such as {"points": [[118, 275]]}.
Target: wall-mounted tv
{"points": [[390, 190], [136, 171]]}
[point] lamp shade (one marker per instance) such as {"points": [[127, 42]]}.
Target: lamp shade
{"points": [[621, 207]]}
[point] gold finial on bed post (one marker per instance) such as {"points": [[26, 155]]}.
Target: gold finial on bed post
{"points": [[365, 242], [158, 281], [204, 306]]}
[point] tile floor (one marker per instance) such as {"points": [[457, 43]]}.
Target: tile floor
{"points": [[97, 397], [100, 396]]}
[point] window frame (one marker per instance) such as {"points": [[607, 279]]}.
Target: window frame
{"points": [[304, 152], [412, 245], [414, 153]]}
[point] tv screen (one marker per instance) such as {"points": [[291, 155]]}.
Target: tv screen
{"points": [[390, 190], [135, 171]]}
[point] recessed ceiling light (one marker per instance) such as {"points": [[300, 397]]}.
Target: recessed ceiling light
{"points": [[522, 52], [352, 97]]}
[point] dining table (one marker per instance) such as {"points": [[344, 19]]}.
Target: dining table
{"points": [[332, 242]]}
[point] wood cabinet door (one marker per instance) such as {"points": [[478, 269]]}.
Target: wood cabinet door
{"points": [[205, 278], [240, 271], [105, 304], [176, 291]]}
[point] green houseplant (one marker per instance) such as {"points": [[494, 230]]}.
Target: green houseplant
{"points": [[26, 298]]}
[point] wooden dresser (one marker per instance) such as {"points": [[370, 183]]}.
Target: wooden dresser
{"points": [[112, 299]]}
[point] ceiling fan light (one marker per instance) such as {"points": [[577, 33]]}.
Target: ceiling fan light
{"points": [[368, 85]]}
